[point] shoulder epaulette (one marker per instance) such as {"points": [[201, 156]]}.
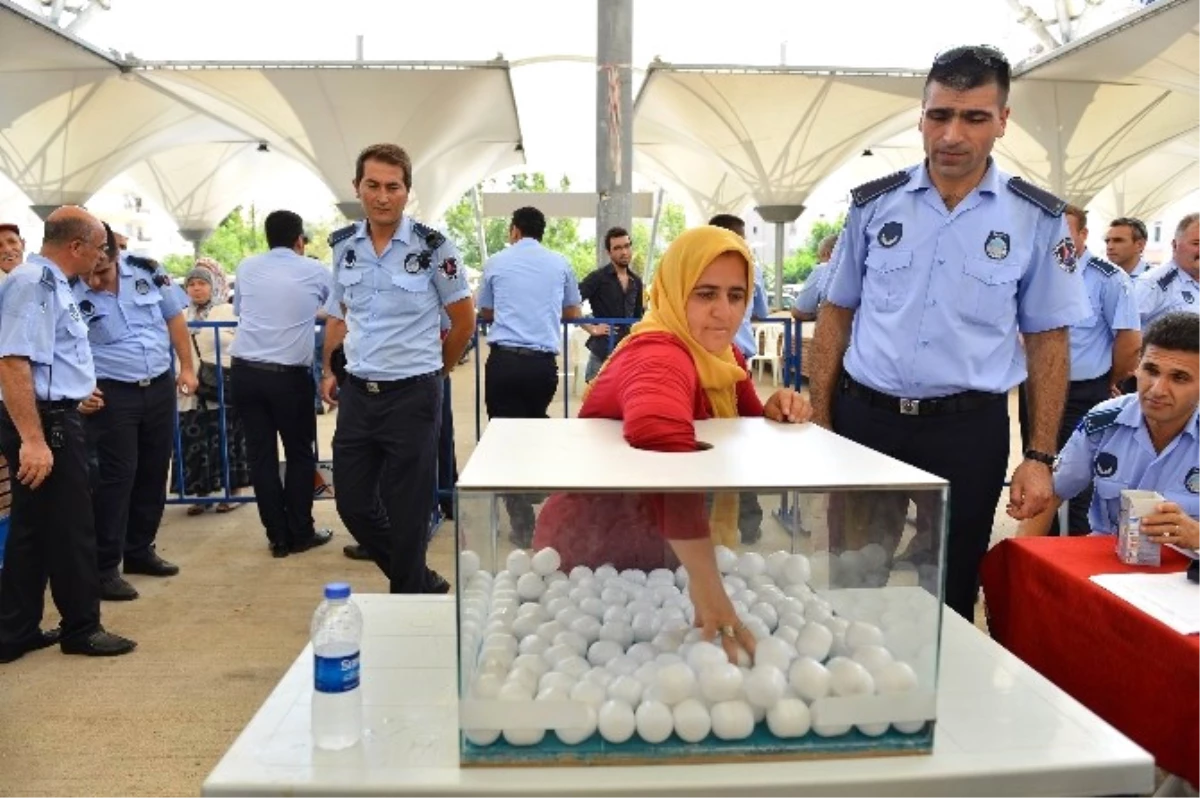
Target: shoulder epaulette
{"points": [[145, 264], [1103, 266], [47, 278], [1165, 281], [1099, 420], [433, 239], [341, 234], [1038, 196], [878, 187]]}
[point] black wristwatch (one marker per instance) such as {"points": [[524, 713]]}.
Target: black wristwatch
{"points": [[1041, 457]]}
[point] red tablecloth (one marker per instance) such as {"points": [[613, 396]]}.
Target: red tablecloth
{"points": [[1131, 670]]}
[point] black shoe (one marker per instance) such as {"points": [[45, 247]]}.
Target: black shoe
{"points": [[356, 551], [151, 566], [117, 589], [99, 644], [279, 550], [44, 639], [520, 541], [319, 538], [435, 583]]}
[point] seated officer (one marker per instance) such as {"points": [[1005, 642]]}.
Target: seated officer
{"points": [[1147, 441]]}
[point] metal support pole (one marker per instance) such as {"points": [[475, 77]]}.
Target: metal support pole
{"points": [[480, 232], [658, 204], [614, 118], [779, 215], [778, 265]]}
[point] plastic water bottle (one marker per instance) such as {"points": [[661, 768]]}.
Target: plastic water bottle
{"points": [[337, 627]]}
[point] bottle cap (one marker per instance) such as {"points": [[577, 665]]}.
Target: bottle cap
{"points": [[337, 590]]}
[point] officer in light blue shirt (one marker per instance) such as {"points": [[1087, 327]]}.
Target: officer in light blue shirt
{"points": [[526, 293], [1147, 441], [278, 296], [1173, 286], [939, 273], [815, 286], [1104, 351], [392, 275], [134, 317], [47, 378]]}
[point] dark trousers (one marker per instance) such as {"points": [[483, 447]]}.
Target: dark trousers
{"points": [[50, 538], [519, 384], [132, 437], [277, 406], [392, 433], [968, 449], [447, 476], [1082, 396]]}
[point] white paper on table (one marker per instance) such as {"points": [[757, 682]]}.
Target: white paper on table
{"points": [[1169, 598]]}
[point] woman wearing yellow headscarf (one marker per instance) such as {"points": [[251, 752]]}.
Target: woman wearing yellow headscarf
{"points": [[677, 365]]}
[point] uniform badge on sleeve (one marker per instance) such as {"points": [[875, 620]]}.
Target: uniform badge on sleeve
{"points": [[1064, 253], [449, 268], [141, 286], [1192, 481], [1105, 465], [890, 234], [996, 246]]}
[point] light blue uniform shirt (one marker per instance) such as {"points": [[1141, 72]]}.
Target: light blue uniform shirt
{"points": [[392, 300], [40, 321], [756, 309], [278, 296], [1111, 447], [810, 296], [1113, 307], [128, 330], [527, 287], [1164, 289], [943, 294]]}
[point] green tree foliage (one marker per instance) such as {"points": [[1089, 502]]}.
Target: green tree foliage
{"points": [[798, 265], [562, 235]]}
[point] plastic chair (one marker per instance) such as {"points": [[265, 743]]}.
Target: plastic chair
{"points": [[578, 339], [769, 338]]}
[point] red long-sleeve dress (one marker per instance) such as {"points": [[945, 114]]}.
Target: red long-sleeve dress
{"points": [[653, 387]]}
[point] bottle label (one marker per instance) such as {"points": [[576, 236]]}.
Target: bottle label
{"points": [[335, 674]]}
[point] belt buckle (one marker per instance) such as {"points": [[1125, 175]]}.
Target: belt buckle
{"points": [[144, 383], [372, 387], [910, 407]]}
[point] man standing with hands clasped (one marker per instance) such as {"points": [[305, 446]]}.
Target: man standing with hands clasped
{"points": [[939, 268]]}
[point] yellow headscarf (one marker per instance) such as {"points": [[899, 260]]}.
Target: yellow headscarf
{"points": [[678, 272]]}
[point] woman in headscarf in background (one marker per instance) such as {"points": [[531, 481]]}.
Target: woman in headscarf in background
{"points": [[678, 365], [200, 419]]}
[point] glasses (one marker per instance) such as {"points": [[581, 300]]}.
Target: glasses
{"points": [[983, 53], [1137, 225]]}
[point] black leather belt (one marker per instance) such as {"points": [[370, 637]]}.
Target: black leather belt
{"points": [[521, 350], [936, 406], [49, 404], [143, 383], [1103, 378], [278, 368], [383, 386]]}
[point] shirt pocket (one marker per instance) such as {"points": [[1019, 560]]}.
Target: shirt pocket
{"points": [[886, 279], [103, 329], [1108, 492], [352, 289], [77, 330], [147, 306], [406, 292], [1188, 502], [1095, 308], [989, 290]]}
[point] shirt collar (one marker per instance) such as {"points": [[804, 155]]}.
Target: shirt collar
{"points": [[524, 242], [988, 184], [46, 263], [403, 230], [1131, 416]]}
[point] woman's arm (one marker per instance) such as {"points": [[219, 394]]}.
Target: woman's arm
{"points": [[657, 394], [715, 615]]}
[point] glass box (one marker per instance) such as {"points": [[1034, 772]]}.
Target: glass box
{"points": [[578, 646]]}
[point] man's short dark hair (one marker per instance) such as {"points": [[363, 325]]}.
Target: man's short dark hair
{"points": [[10, 227], [67, 229], [729, 222], [1177, 331], [1137, 228], [614, 232], [283, 228], [530, 221], [110, 242], [966, 68], [1077, 213], [385, 153]]}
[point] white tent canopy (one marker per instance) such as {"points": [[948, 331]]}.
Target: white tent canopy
{"points": [[1165, 175], [772, 134]]}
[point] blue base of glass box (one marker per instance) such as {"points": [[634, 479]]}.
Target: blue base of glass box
{"points": [[759, 745]]}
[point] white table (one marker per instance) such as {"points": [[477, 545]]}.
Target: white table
{"points": [[1002, 730]]}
